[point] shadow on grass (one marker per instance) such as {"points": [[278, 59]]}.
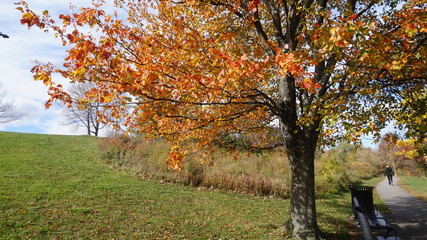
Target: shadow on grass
{"points": [[334, 216]]}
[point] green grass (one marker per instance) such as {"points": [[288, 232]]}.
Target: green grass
{"points": [[417, 186], [53, 187]]}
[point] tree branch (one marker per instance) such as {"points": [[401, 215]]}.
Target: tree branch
{"points": [[370, 5], [419, 44], [275, 15], [259, 28]]}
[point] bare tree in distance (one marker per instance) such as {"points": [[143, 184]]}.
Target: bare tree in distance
{"points": [[7, 110], [81, 113]]}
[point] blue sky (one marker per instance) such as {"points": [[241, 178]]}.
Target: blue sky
{"points": [[17, 54]]}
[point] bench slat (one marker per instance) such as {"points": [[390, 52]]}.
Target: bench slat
{"points": [[369, 218]]}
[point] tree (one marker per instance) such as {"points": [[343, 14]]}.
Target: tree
{"points": [[387, 149], [408, 151], [413, 117], [7, 110], [84, 113], [199, 70]]}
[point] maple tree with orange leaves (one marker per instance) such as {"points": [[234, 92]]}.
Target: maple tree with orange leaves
{"points": [[198, 70]]}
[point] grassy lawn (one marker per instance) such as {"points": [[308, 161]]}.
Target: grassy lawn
{"points": [[417, 186], [52, 187]]}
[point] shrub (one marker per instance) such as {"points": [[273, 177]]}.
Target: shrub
{"points": [[339, 167]]}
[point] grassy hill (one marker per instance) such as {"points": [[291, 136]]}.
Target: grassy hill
{"points": [[53, 187]]}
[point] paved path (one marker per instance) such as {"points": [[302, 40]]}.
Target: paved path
{"points": [[409, 214]]}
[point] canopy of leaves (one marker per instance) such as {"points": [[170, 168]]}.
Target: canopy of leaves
{"points": [[202, 70], [413, 115], [413, 150]]}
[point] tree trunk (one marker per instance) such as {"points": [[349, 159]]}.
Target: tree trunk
{"points": [[88, 121], [300, 144], [303, 221], [96, 128]]}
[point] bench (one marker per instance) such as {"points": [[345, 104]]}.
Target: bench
{"points": [[374, 218], [363, 204], [366, 229]]}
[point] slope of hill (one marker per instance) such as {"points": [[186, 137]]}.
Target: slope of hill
{"points": [[52, 187]]}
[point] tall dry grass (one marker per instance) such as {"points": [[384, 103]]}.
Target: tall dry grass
{"points": [[263, 174]]}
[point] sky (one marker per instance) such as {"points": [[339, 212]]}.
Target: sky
{"points": [[17, 56]]}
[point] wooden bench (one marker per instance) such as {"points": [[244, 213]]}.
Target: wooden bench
{"points": [[374, 217], [366, 229], [363, 204]]}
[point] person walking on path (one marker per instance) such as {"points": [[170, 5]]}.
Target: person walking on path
{"points": [[389, 173], [408, 213]]}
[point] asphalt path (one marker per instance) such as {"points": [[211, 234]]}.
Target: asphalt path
{"points": [[409, 214]]}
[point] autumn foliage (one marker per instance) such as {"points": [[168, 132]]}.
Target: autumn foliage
{"points": [[208, 74]]}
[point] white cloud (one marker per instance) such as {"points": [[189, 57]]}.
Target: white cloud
{"points": [[32, 110], [55, 124], [17, 54]]}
